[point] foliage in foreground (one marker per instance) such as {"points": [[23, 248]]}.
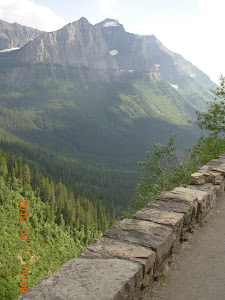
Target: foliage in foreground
{"points": [[163, 170], [214, 118]]}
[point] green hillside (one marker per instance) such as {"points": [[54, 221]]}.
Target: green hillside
{"points": [[58, 223], [91, 133], [69, 113]]}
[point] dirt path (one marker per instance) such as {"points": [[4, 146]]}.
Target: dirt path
{"points": [[198, 270]]}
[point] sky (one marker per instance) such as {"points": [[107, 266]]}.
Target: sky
{"points": [[192, 28]]}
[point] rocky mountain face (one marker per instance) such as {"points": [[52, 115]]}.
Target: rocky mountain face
{"points": [[129, 50], [99, 90], [15, 35], [147, 53], [78, 44], [105, 46]]}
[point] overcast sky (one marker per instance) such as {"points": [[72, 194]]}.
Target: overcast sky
{"points": [[192, 28]]}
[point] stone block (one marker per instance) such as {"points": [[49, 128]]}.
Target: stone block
{"points": [[218, 174], [90, 279], [209, 188], [180, 197], [158, 215], [159, 238], [217, 163], [105, 247], [175, 205], [200, 178], [216, 168], [204, 176], [203, 198]]}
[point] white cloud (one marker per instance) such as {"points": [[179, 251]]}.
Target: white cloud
{"points": [[106, 5], [28, 13]]}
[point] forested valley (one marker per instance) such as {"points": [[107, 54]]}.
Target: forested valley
{"points": [[79, 108], [59, 223]]}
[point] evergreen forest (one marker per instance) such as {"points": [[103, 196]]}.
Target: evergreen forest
{"points": [[59, 223]]}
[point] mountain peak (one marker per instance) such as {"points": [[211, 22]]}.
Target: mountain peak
{"points": [[83, 20]]}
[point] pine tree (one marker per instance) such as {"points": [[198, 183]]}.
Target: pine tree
{"points": [[26, 174]]}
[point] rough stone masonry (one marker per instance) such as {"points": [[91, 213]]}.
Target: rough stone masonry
{"points": [[121, 264]]}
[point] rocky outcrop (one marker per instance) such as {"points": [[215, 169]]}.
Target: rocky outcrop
{"points": [[105, 46], [129, 50], [15, 35], [121, 264], [76, 44]]}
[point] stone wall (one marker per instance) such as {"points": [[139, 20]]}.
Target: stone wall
{"points": [[121, 264]]}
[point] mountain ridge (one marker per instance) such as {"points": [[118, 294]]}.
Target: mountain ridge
{"points": [[85, 45], [96, 93], [103, 52], [14, 35]]}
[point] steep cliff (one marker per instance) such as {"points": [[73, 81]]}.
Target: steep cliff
{"points": [[15, 35]]}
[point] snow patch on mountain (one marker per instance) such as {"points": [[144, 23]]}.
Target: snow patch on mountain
{"points": [[8, 50], [114, 52], [111, 24]]}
